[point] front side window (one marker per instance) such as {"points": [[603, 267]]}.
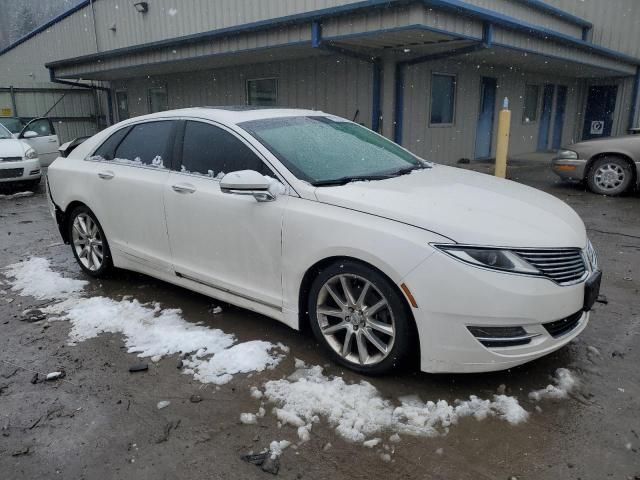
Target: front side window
{"points": [[4, 133], [212, 151], [158, 99], [443, 97], [262, 92], [122, 100], [42, 127], [530, 110], [326, 150]]}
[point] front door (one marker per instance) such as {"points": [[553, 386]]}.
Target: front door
{"points": [[598, 118], [45, 140], [558, 123], [484, 130], [545, 118], [228, 242]]}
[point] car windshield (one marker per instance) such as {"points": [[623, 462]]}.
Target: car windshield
{"points": [[14, 125], [331, 151], [4, 133]]}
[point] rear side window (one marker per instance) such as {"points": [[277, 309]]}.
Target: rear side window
{"points": [[212, 151], [146, 143], [106, 151]]}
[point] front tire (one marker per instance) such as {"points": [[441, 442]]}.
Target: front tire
{"points": [[610, 176], [360, 318], [89, 243]]}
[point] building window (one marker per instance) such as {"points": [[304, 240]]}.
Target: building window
{"points": [[262, 92], [443, 99], [122, 103], [158, 99], [530, 110]]}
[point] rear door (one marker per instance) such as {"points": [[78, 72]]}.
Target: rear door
{"points": [[45, 142], [128, 174]]}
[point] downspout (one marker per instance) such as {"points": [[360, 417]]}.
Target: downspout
{"points": [[53, 79], [95, 29], [635, 97], [486, 42], [12, 93], [318, 42]]}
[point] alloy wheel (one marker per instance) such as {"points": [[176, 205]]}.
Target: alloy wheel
{"points": [[609, 176], [88, 242], [356, 319]]}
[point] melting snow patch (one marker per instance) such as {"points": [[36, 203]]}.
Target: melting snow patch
{"points": [[357, 411], [563, 383], [149, 330], [276, 448], [35, 278], [248, 418]]}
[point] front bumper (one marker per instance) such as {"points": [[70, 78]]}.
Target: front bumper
{"points": [[569, 169], [20, 171], [452, 296]]}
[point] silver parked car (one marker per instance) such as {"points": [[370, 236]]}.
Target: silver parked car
{"points": [[609, 166]]}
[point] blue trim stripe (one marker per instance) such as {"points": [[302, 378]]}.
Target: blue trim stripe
{"points": [[498, 19], [42, 28], [399, 106], [556, 12], [376, 103], [458, 7]]}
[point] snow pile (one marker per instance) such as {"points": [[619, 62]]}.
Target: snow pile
{"points": [[35, 278], [563, 384], [213, 356], [16, 195], [358, 411]]}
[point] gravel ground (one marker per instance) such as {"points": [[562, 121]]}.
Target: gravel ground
{"points": [[101, 421]]}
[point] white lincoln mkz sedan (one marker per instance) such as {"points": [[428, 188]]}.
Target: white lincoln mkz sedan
{"points": [[312, 219]]}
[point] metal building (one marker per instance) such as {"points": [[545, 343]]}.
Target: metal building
{"points": [[430, 74]]}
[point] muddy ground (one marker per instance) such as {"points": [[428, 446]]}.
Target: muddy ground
{"points": [[102, 421]]}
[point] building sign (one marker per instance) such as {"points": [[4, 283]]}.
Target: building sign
{"points": [[597, 127], [6, 112]]}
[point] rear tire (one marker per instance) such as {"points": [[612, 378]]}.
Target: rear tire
{"points": [[610, 176], [89, 243], [360, 318]]}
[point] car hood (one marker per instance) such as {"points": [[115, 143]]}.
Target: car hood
{"points": [[467, 207], [12, 148]]}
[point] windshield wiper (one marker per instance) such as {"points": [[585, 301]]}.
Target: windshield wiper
{"points": [[345, 180], [404, 171]]}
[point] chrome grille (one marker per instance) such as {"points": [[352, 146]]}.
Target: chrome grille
{"points": [[563, 265]]}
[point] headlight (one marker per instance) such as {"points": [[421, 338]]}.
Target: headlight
{"points": [[30, 154], [493, 258], [592, 257], [567, 154]]}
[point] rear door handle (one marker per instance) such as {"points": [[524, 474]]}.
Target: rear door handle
{"points": [[183, 188], [106, 175]]}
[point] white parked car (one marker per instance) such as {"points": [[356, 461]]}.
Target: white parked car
{"points": [[19, 163], [312, 219]]}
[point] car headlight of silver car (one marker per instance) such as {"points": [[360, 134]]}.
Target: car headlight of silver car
{"points": [[494, 258], [30, 154], [592, 256], [567, 154]]}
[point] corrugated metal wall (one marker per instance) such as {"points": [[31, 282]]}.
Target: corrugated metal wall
{"points": [[72, 111], [334, 84]]}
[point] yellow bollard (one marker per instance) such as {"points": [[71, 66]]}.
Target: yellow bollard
{"points": [[502, 145]]}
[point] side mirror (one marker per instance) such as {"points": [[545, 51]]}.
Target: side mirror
{"points": [[29, 134], [247, 182]]}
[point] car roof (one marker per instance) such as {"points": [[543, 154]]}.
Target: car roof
{"points": [[232, 114]]}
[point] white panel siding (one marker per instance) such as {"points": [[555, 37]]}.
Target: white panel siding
{"points": [[334, 84], [616, 23], [447, 144], [519, 10]]}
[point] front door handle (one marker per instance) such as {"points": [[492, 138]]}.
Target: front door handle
{"points": [[183, 188], [106, 175]]}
